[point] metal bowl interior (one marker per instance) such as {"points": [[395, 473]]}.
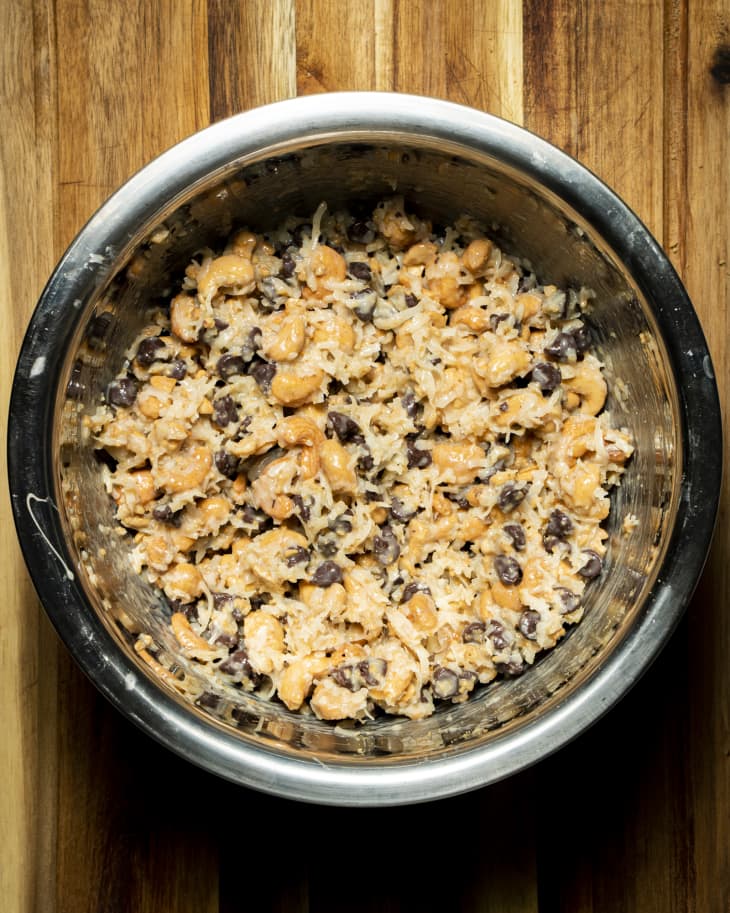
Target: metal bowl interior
{"points": [[343, 149]]}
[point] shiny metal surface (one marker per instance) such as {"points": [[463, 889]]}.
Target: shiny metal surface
{"points": [[445, 159]]}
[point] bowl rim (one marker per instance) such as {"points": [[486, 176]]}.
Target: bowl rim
{"points": [[90, 259]]}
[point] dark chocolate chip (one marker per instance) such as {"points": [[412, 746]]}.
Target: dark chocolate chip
{"points": [[326, 574], [410, 405], [569, 601], [344, 676], [417, 458], [559, 527], [165, 514], [299, 555], [252, 344], [178, 369], [547, 376], [510, 495], [302, 508], [563, 347], [497, 634], [340, 524], [445, 682], [400, 512], [75, 388], [508, 570], [528, 623], [226, 464], [122, 392], [412, 588], [287, 266], [364, 304], [495, 320], [516, 534], [230, 365], [346, 428], [360, 270], [385, 546], [582, 338], [474, 633], [263, 373], [148, 351], [224, 411], [511, 669], [360, 232], [593, 566]]}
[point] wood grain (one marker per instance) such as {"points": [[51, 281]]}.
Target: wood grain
{"points": [[634, 815], [705, 188]]}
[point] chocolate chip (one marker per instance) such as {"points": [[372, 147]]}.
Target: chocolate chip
{"points": [[444, 682], [547, 376], [410, 300], [528, 623], [563, 347], [273, 293], [412, 588], [511, 669], [252, 344], [497, 634], [400, 512], [299, 555], [495, 320], [302, 508], [148, 351], [327, 546], [559, 527], [417, 458], [385, 546], [365, 462], [508, 570], [569, 601], [219, 324], [178, 369], [165, 514], [372, 671], [364, 303], [511, 495], [326, 574], [410, 405], [225, 411], [122, 392], [287, 266], [516, 534], [238, 665], [222, 600], [582, 338], [360, 270], [340, 524], [474, 633], [75, 388], [346, 428], [226, 464], [360, 232], [345, 678], [230, 365], [593, 566], [226, 640], [263, 373]]}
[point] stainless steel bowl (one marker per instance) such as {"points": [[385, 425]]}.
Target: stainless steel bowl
{"points": [[284, 158]]}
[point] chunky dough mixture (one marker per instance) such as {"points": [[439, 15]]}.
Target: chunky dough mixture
{"points": [[366, 461]]}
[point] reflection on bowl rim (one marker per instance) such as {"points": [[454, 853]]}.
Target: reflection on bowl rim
{"points": [[345, 116]]}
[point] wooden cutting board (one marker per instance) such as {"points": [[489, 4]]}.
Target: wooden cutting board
{"points": [[633, 816]]}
